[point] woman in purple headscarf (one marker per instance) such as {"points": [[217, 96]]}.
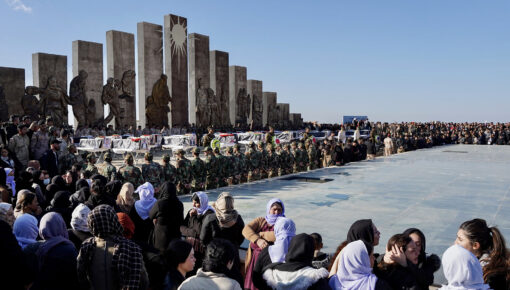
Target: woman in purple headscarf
{"points": [[260, 232], [54, 258]]}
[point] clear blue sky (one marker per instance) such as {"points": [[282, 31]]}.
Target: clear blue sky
{"points": [[392, 60]]}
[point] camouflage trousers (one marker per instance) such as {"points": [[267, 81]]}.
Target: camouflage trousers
{"points": [[273, 172], [197, 185], [210, 183], [253, 175]]}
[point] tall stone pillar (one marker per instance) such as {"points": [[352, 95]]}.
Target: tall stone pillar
{"points": [[285, 115], [88, 56], [149, 38], [44, 67], [12, 89], [238, 101], [120, 55], [254, 89], [219, 77], [269, 108], [279, 115], [176, 66], [199, 84]]}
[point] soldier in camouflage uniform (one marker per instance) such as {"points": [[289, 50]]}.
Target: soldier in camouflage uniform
{"points": [[273, 162], [269, 136], [262, 153], [206, 139], [211, 180], [152, 172], [198, 171], [295, 157], [311, 153], [288, 163], [242, 171], [107, 169], [253, 160], [91, 167], [130, 173], [222, 167], [303, 157], [169, 171], [184, 173], [66, 161], [232, 166]]}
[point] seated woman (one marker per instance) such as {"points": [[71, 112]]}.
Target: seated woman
{"points": [[192, 224], [355, 269], [462, 269], [27, 203], [284, 231], [297, 272], [260, 233], [399, 265], [427, 265], [364, 230], [489, 246], [139, 214], [180, 259], [79, 230], [25, 229]]}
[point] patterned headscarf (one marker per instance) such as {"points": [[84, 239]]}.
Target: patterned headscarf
{"points": [[225, 212], [79, 218], [271, 218], [127, 256]]}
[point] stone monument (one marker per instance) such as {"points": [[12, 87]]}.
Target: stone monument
{"points": [[30, 103], [150, 67], [269, 108], [254, 90], [79, 100], [120, 51], [220, 85], [88, 57], [201, 98], [157, 108], [238, 101], [110, 97], [12, 81], [176, 67]]}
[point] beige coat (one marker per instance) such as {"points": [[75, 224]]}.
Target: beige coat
{"points": [[209, 280], [20, 146], [252, 233]]}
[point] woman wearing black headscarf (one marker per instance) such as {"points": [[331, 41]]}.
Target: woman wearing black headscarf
{"points": [[113, 188], [61, 204], [297, 271], [82, 193], [167, 214], [180, 259], [427, 265]]}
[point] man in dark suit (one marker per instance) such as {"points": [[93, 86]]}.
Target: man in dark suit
{"points": [[49, 160]]}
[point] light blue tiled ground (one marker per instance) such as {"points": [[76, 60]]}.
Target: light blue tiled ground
{"points": [[434, 190]]}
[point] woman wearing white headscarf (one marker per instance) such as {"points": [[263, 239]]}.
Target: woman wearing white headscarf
{"points": [[79, 230], [7, 213], [462, 269], [355, 269], [25, 229], [139, 213]]}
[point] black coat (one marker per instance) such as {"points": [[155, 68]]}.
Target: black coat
{"points": [[168, 214], [14, 266], [49, 162], [143, 228], [211, 230], [399, 277]]}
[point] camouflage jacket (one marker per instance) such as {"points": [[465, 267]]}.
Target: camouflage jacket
{"points": [[92, 169], [169, 172], [241, 163], [66, 161], [184, 174], [273, 161], [129, 173], [211, 166], [108, 170], [198, 170], [222, 166], [152, 173]]}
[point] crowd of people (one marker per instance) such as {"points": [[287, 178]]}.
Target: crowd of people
{"points": [[69, 223], [123, 238]]}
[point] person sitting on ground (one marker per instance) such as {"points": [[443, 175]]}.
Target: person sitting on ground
{"points": [[192, 225], [355, 269], [108, 260], [218, 259], [139, 214], [7, 213], [79, 230], [26, 230], [225, 224], [27, 203], [260, 232], [489, 246], [284, 231], [427, 265], [462, 270], [180, 259], [320, 259], [297, 271], [61, 204], [125, 200], [399, 265]]}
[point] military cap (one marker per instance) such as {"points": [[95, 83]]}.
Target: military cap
{"points": [[108, 156], [180, 151], [148, 156], [196, 150], [206, 149], [230, 150], [128, 157], [90, 156], [166, 157], [216, 150], [237, 146]]}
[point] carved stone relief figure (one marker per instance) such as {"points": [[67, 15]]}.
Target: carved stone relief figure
{"points": [[128, 78], [256, 110], [79, 98], [110, 97], [30, 104], [54, 102], [243, 106], [4, 109], [161, 98]]}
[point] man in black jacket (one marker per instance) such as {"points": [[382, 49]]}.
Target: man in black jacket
{"points": [[49, 161]]}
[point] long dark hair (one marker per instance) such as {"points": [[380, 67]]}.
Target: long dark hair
{"points": [[491, 242]]}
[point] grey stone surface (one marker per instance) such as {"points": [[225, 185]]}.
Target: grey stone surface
{"points": [[176, 66], [199, 83], [45, 66], [88, 56], [269, 108], [219, 77], [285, 114], [149, 38], [12, 81], [279, 114], [238, 102], [120, 52], [296, 120], [254, 90]]}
